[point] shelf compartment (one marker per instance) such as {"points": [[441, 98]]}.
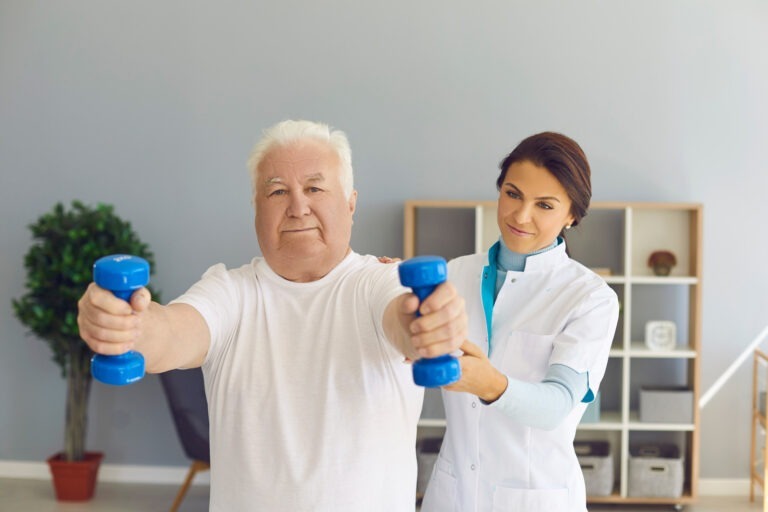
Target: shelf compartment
{"points": [[592, 241], [667, 302], [654, 372], [671, 228]]}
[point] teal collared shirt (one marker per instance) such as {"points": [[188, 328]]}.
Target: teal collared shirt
{"points": [[488, 288]]}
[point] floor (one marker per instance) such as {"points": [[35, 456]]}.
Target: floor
{"points": [[18, 495]]}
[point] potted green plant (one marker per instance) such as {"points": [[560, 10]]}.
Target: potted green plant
{"points": [[59, 266]]}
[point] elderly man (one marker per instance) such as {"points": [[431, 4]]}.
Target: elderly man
{"points": [[311, 404]]}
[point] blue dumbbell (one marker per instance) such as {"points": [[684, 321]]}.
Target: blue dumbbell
{"points": [[122, 274], [422, 274]]}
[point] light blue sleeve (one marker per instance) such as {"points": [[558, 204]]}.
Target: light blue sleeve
{"points": [[544, 404]]}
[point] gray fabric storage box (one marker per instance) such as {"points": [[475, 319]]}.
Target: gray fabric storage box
{"points": [[666, 405], [426, 456], [655, 471], [596, 463]]}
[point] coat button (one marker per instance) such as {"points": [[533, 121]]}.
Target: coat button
{"points": [[472, 467], [474, 404]]}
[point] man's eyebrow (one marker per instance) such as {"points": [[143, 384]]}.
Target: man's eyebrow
{"points": [[312, 178], [318, 176], [543, 198]]}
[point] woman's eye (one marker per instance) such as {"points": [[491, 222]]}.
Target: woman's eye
{"points": [[513, 194], [545, 206]]}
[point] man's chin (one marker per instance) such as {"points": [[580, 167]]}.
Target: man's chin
{"points": [[302, 249]]}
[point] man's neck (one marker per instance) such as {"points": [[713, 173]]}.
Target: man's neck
{"points": [[307, 271]]}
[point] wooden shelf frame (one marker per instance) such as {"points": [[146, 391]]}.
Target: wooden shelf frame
{"points": [[758, 455]]}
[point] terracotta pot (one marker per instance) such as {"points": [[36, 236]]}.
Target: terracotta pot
{"points": [[75, 481]]}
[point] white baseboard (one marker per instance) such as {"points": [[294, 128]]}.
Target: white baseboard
{"points": [[118, 473], [173, 475], [725, 487]]}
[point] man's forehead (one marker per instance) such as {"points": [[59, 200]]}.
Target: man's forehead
{"points": [[309, 161]]}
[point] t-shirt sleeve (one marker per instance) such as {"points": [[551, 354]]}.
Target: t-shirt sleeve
{"points": [[383, 286], [215, 297]]}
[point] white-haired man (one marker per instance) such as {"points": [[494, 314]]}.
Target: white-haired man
{"points": [[311, 404]]}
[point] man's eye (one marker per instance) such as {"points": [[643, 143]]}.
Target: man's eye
{"points": [[315, 189], [278, 192]]}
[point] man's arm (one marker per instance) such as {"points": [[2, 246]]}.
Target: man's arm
{"points": [[168, 337], [441, 328]]}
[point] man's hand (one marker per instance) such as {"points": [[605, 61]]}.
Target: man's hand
{"points": [[478, 376], [110, 325], [441, 328]]}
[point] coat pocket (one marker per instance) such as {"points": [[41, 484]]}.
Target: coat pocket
{"points": [[441, 490], [525, 356]]}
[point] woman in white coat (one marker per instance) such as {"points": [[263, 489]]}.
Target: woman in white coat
{"points": [[541, 327]]}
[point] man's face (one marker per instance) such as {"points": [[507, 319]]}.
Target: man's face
{"points": [[303, 219]]}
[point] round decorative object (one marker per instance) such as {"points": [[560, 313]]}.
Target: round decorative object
{"points": [[660, 335], [662, 262]]}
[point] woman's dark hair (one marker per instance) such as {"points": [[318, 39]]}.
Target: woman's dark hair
{"points": [[561, 156]]}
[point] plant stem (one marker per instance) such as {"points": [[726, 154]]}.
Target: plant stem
{"points": [[78, 390]]}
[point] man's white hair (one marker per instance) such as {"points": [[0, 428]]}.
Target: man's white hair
{"points": [[287, 132]]}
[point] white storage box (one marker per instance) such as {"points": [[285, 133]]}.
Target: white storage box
{"points": [[655, 471], [666, 405], [596, 463]]}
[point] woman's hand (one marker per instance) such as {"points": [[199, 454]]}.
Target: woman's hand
{"points": [[387, 259], [478, 376]]}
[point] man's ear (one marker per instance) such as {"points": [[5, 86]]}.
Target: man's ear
{"points": [[352, 202]]}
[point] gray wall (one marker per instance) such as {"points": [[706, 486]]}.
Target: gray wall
{"points": [[154, 106]]}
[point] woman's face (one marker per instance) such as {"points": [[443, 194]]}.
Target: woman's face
{"points": [[533, 208]]}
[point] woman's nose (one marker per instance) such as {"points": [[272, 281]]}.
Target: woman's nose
{"points": [[522, 213]]}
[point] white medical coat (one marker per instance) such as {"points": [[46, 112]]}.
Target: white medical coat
{"points": [[554, 312]]}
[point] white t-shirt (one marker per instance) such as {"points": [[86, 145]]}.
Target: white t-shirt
{"points": [[311, 407]]}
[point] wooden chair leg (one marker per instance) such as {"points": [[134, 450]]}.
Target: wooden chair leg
{"points": [[197, 465]]}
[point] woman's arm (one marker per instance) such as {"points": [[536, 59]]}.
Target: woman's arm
{"points": [[536, 404]]}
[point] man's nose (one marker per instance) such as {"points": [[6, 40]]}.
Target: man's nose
{"points": [[298, 205]]}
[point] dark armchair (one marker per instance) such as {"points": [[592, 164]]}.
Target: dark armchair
{"points": [[185, 392]]}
